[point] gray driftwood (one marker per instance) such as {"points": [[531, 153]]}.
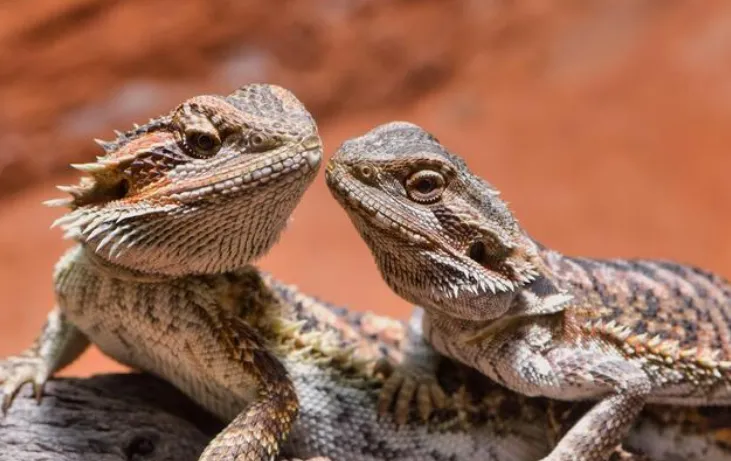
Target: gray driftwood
{"points": [[106, 418]]}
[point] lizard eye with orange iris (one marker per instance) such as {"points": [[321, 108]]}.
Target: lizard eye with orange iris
{"points": [[425, 186]]}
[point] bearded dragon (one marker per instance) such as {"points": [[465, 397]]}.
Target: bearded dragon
{"points": [[159, 318], [622, 333], [164, 222]]}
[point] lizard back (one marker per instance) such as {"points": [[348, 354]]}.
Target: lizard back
{"points": [[660, 311]]}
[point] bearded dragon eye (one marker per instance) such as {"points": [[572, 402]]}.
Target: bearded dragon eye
{"points": [[202, 143], [425, 186]]}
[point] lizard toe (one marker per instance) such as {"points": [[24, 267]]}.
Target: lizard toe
{"points": [[405, 389], [424, 404], [388, 393], [430, 397], [621, 454], [405, 397], [383, 367], [17, 371]]}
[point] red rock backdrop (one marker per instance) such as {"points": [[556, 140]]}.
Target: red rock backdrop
{"points": [[607, 124]]}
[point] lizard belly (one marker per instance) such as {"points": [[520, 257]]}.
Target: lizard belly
{"points": [[171, 361], [149, 327]]}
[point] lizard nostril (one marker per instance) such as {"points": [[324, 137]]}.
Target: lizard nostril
{"points": [[312, 142]]}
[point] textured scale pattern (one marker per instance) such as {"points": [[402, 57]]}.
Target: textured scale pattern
{"points": [[620, 332], [683, 306], [339, 396], [164, 221], [167, 222]]}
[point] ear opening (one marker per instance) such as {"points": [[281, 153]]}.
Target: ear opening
{"points": [[106, 182], [120, 190], [491, 255], [516, 266], [93, 192], [477, 252]]}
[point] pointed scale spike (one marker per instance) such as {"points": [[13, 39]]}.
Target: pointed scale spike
{"points": [[73, 190], [80, 219], [58, 202], [117, 248], [654, 342], [65, 220], [131, 215], [292, 327], [94, 223], [107, 238], [91, 168], [71, 234], [108, 146], [100, 229]]}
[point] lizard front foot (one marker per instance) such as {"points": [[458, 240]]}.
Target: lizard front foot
{"points": [[18, 370], [404, 385]]}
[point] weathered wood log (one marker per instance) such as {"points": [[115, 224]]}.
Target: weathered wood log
{"points": [[130, 417]]}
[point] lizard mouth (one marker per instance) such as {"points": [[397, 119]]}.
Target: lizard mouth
{"points": [[363, 207]]}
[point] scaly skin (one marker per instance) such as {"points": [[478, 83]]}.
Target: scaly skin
{"points": [[621, 332], [163, 223], [329, 354], [235, 339]]}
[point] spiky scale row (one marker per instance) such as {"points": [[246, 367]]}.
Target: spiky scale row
{"points": [[656, 348], [106, 170]]}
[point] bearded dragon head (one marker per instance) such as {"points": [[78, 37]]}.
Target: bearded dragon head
{"points": [[441, 236], [205, 189]]}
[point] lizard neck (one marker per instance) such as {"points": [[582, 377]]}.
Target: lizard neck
{"points": [[106, 268]]}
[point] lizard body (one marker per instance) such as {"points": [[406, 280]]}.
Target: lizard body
{"points": [[483, 421], [163, 220], [621, 332], [328, 354], [173, 294], [166, 224]]}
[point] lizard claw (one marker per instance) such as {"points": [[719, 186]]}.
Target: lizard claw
{"points": [[406, 386], [18, 370], [620, 454]]}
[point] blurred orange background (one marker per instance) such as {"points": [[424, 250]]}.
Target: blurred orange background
{"points": [[606, 124]]}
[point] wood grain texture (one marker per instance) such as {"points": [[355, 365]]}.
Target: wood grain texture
{"points": [[110, 417]]}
